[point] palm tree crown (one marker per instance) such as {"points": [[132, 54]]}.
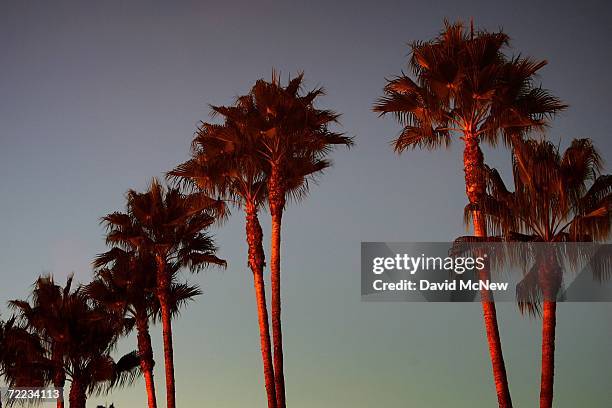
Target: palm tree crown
{"points": [[556, 198], [168, 225], [463, 82], [225, 164], [292, 136]]}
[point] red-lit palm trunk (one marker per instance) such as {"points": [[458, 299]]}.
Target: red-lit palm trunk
{"points": [[60, 402], [256, 263], [276, 198], [77, 396], [550, 283], [163, 295], [59, 385], [475, 188], [59, 376], [145, 354], [549, 322]]}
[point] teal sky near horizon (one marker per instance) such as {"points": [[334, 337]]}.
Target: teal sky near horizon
{"points": [[96, 99]]}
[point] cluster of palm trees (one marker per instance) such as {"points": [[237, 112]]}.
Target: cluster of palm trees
{"points": [[270, 144], [263, 152], [60, 335], [465, 85]]}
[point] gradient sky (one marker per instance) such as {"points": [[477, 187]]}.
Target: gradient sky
{"points": [[99, 98]]}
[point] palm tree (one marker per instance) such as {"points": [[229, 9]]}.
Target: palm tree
{"points": [[92, 369], [169, 227], [22, 360], [128, 287], [225, 164], [49, 323], [294, 139], [465, 85], [125, 282], [557, 198], [71, 338]]}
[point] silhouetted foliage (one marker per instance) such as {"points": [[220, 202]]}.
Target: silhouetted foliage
{"points": [[64, 335]]}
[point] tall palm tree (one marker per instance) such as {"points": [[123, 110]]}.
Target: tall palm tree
{"points": [[225, 163], [557, 198], [73, 339], [463, 84], [169, 227], [125, 282], [294, 139]]}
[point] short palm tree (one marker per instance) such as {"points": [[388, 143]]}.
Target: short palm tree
{"points": [[74, 339], [127, 286], [49, 323], [225, 163], [91, 368], [169, 227], [463, 84], [557, 198], [294, 139], [125, 282], [23, 362]]}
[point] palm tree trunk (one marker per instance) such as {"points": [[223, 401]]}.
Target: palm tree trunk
{"points": [[550, 282], [475, 188], [495, 347], [276, 197], [77, 396], [549, 322], [60, 401], [163, 285], [59, 377], [256, 263], [145, 353]]}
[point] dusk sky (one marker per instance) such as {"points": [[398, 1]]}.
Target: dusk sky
{"points": [[99, 98]]}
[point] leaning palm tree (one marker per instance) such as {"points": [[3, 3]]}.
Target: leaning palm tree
{"points": [[463, 84], [557, 199], [225, 163], [69, 337], [169, 227], [125, 282], [294, 138]]}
